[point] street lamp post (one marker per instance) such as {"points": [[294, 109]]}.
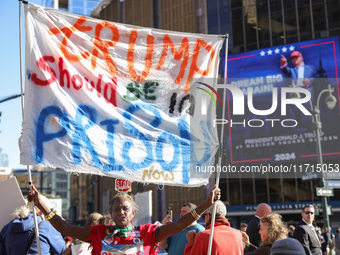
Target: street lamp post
{"points": [[315, 110], [316, 125]]}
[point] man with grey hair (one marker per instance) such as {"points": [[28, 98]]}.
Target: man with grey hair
{"points": [[198, 243], [175, 244]]}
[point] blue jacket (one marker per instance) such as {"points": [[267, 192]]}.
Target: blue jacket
{"points": [[308, 73], [15, 235]]}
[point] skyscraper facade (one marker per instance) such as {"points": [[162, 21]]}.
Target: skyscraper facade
{"points": [[81, 7]]}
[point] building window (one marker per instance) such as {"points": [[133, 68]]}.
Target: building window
{"points": [[290, 23], [305, 25], [275, 191], [261, 190], [277, 26], [234, 192], [212, 7], [302, 3], [247, 191], [238, 33], [213, 20], [304, 190], [61, 185], [319, 17], [237, 14], [289, 191], [224, 5], [250, 24], [61, 194], [61, 176], [333, 10], [78, 7]]}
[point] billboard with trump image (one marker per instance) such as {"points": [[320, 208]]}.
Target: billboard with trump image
{"points": [[276, 126]]}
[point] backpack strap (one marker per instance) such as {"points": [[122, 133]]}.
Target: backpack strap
{"points": [[30, 241]]}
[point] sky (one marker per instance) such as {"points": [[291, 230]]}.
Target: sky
{"points": [[11, 119]]}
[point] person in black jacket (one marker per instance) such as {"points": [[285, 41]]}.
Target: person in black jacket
{"points": [[253, 228], [324, 245], [305, 232]]}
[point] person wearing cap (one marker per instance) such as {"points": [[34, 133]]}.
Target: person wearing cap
{"points": [[291, 229], [226, 240], [305, 232], [122, 238], [15, 236], [68, 241], [287, 246], [302, 74], [244, 227]]}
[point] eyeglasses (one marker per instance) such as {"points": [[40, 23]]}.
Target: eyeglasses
{"points": [[308, 212], [203, 215]]}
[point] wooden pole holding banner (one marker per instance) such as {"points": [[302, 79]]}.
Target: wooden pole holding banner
{"points": [[22, 114], [213, 216]]}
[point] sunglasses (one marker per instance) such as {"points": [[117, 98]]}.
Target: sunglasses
{"points": [[308, 212], [203, 215]]}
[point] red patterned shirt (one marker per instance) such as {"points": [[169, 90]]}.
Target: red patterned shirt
{"points": [[142, 241]]}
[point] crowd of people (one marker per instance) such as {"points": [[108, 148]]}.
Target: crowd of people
{"points": [[114, 233]]}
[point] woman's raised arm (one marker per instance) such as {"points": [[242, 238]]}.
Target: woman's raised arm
{"points": [[178, 226], [56, 221]]}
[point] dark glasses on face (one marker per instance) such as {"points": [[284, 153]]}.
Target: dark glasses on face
{"points": [[203, 215], [308, 212]]}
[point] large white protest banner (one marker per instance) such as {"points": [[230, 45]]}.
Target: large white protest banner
{"points": [[113, 99]]}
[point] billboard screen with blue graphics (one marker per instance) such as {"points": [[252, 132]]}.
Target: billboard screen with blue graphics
{"points": [[285, 135]]}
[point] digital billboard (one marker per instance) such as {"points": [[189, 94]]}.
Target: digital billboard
{"points": [[285, 134]]}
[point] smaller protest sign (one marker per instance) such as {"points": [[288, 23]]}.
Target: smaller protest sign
{"points": [[122, 185], [10, 202]]}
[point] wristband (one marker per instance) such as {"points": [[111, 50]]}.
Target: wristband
{"points": [[195, 214], [50, 215]]}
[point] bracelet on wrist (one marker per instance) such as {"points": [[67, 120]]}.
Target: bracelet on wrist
{"points": [[195, 214], [50, 215]]}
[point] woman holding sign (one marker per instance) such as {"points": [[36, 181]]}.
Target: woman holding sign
{"points": [[123, 238]]}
